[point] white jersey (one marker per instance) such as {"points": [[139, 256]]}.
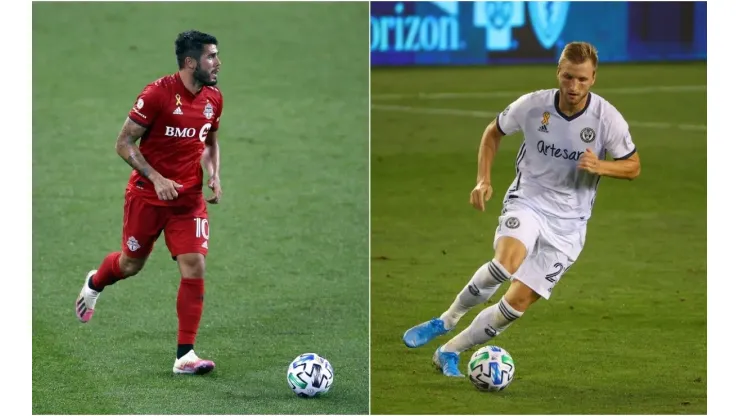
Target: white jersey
{"points": [[547, 177]]}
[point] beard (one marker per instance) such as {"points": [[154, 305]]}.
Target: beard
{"points": [[204, 77]]}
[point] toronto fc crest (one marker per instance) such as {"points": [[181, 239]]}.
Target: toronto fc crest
{"points": [[208, 111]]}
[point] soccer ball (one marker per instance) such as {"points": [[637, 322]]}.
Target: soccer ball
{"points": [[310, 375], [491, 368]]}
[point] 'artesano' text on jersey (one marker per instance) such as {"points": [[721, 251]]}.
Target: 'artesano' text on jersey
{"points": [[547, 174], [551, 150]]}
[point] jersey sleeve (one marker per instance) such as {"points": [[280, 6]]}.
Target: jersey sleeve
{"points": [[509, 121], [219, 109], [147, 106], [618, 138]]}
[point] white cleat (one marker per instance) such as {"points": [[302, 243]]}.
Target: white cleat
{"points": [[191, 364], [85, 304]]}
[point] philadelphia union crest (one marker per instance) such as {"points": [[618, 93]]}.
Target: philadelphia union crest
{"points": [[588, 135], [548, 20], [512, 222]]}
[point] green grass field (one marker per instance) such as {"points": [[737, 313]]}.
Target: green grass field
{"points": [[625, 331], [288, 266]]}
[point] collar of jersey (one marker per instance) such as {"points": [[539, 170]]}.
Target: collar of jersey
{"points": [[574, 116], [187, 91]]}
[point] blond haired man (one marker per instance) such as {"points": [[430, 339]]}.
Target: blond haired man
{"points": [[568, 132]]}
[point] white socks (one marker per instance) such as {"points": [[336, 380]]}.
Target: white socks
{"points": [[481, 287], [489, 323]]}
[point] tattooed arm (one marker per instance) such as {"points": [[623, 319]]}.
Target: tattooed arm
{"points": [[129, 151]]}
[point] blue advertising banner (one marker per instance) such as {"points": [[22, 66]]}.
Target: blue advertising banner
{"points": [[512, 32]]}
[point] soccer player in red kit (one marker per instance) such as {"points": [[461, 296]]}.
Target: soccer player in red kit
{"points": [[176, 117]]}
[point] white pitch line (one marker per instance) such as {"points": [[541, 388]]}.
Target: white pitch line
{"points": [[491, 115], [502, 94]]}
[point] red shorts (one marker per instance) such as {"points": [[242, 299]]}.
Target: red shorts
{"points": [[186, 228]]}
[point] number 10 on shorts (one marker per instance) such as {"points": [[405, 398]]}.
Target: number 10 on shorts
{"points": [[201, 228]]}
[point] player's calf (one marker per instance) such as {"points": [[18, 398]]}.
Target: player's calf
{"points": [[490, 323], [484, 283], [131, 266], [510, 254], [114, 267], [190, 297], [520, 296]]}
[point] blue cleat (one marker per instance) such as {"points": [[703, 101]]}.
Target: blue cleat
{"points": [[447, 363], [425, 332]]}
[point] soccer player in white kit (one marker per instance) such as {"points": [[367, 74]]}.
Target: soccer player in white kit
{"points": [[542, 228]]}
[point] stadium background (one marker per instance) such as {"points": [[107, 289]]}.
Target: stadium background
{"points": [[287, 271], [625, 331]]}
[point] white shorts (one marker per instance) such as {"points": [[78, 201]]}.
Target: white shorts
{"points": [[552, 244]]}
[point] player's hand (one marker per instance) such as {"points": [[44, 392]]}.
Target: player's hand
{"points": [[166, 189], [215, 184], [589, 162], [480, 194]]}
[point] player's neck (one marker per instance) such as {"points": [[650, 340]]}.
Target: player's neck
{"points": [[190, 83], [568, 109]]}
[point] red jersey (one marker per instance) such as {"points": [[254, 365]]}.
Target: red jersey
{"points": [[177, 124]]}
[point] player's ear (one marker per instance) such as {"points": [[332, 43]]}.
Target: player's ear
{"points": [[189, 62]]}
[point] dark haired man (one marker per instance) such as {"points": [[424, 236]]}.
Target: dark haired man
{"points": [[177, 119]]}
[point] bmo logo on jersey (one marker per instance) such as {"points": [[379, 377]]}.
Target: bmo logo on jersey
{"points": [[188, 132]]}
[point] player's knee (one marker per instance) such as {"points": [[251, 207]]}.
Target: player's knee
{"points": [[510, 259], [192, 265], [510, 264], [510, 253], [130, 265]]}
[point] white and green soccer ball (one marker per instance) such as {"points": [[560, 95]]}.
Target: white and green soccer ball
{"points": [[310, 375], [491, 368]]}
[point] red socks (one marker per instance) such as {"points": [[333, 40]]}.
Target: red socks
{"points": [[109, 271], [189, 309], [189, 297]]}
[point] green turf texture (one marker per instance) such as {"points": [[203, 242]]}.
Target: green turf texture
{"points": [[625, 331], [287, 271]]}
